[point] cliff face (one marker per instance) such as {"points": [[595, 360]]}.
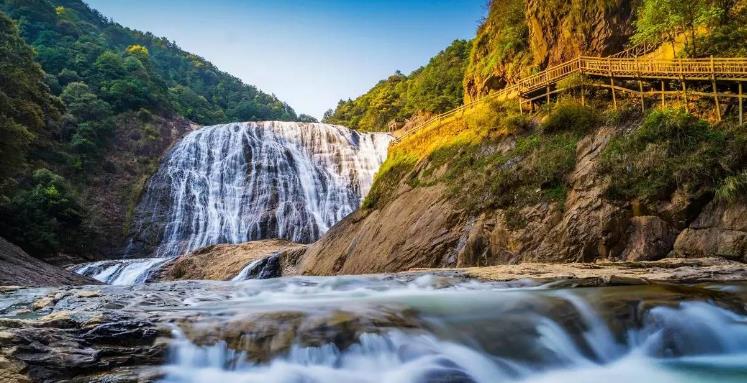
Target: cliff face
{"points": [[520, 37], [426, 227], [112, 194]]}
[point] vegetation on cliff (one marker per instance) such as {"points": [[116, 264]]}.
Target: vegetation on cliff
{"points": [[490, 158], [434, 88]]}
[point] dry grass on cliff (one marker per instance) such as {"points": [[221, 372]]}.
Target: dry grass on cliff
{"points": [[489, 157]]}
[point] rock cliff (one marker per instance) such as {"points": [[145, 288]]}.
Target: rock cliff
{"points": [[520, 37], [426, 226]]}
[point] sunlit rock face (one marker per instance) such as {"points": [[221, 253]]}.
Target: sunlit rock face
{"points": [[245, 181]]}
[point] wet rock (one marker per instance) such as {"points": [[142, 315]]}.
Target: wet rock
{"points": [[670, 270], [265, 335]]}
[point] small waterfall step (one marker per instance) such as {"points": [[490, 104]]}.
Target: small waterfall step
{"points": [[121, 271], [263, 268]]}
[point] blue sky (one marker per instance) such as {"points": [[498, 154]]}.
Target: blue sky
{"points": [[310, 53]]}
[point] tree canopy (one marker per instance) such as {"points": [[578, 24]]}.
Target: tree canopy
{"points": [[131, 70], [434, 88]]}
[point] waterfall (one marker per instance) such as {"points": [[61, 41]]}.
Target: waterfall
{"points": [[121, 272], [239, 182]]}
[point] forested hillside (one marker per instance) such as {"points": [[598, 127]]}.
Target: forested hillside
{"points": [[87, 108], [434, 88]]}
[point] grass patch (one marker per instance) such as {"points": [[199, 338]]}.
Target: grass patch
{"points": [[473, 155], [570, 116]]}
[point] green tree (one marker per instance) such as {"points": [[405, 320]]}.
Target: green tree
{"points": [[83, 104], [434, 88], [25, 102], [662, 21], [45, 218]]}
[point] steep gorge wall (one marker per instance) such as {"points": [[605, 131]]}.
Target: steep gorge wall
{"points": [[426, 227], [140, 140], [520, 37]]}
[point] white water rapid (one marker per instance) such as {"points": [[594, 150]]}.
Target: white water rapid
{"points": [[463, 333], [246, 181]]}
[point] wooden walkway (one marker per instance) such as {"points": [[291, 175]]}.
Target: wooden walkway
{"points": [[623, 66]]}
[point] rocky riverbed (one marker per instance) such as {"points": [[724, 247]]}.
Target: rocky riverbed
{"points": [[413, 327]]}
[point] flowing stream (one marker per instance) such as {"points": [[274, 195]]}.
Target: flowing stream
{"points": [[433, 329], [246, 181], [406, 328]]}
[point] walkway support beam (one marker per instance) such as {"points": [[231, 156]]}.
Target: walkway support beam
{"points": [[741, 105], [715, 90]]}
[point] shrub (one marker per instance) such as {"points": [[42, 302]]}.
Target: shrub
{"points": [[570, 116], [45, 218], [673, 150], [733, 188]]}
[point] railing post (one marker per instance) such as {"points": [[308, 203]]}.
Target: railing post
{"points": [[741, 105], [521, 110], [662, 95], [684, 86], [715, 90], [612, 83], [583, 90], [640, 86]]}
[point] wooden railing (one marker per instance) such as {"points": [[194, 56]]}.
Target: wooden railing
{"points": [[621, 65]]}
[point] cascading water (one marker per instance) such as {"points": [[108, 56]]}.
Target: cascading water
{"points": [[466, 333], [246, 181], [240, 182], [121, 272], [434, 328]]}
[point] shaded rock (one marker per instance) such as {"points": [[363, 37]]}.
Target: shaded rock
{"points": [[719, 230], [19, 268], [649, 238], [420, 228]]}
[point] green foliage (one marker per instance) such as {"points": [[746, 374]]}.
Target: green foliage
{"points": [[733, 188], [132, 70], [434, 88], [673, 150], [463, 155], [45, 218], [26, 106], [570, 116], [503, 37], [662, 21], [306, 118], [728, 38], [534, 170]]}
